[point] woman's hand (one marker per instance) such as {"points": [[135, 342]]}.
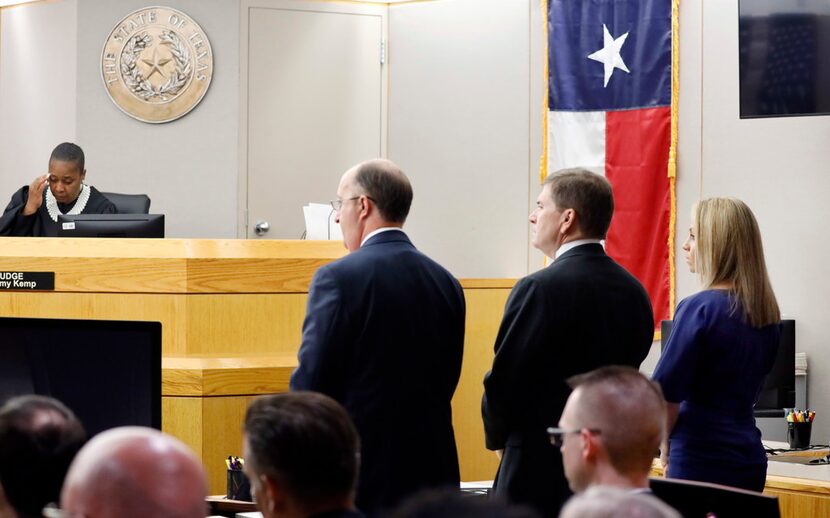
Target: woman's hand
{"points": [[36, 195]]}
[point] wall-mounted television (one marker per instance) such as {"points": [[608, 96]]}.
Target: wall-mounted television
{"points": [[784, 56], [107, 372], [111, 225]]}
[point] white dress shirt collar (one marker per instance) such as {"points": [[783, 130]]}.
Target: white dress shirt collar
{"points": [[378, 231], [570, 245]]}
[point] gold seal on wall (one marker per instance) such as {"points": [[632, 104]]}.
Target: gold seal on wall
{"points": [[157, 64]]}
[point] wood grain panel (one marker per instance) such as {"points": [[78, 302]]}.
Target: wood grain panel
{"points": [[223, 421], [171, 266], [484, 312], [182, 417], [227, 376], [478, 284], [242, 324], [170, 310]]}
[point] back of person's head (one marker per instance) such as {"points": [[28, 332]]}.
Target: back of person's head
{"points": [[588, 194], [608, 502], [385, 184], [304, 444], [135, 472], [728, 249], [39, 437], [453, 504], [69, 152], [629, 411]]}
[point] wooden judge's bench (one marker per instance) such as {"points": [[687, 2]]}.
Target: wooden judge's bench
{"points": [[231, 314]]}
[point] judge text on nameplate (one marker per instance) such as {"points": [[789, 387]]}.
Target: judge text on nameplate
{"points": [[31, 281]]}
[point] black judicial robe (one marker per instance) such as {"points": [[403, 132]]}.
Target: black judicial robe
{"points": [[40, 224]]}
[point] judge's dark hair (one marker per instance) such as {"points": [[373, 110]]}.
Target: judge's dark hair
{"points": [[384, 182], [588, 194], [69, 152], [39, 437], [305, 441]]}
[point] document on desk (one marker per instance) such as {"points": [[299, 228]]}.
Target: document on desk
{"points": [[320, 224]]}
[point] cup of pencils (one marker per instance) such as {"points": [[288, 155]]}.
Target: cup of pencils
{"points": [[238, 486], [799, 427]]}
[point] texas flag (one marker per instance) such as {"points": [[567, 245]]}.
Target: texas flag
{"points": [[609, 102]]}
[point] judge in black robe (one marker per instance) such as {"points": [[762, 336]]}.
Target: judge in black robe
{"points": [[34, 209]]}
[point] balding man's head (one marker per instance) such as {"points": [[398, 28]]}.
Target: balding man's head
{"points": [[372, 195], [384, 183], [135, 472], [620, 415]]}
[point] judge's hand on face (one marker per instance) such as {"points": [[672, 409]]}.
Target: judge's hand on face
{"points": [[36, 195]]}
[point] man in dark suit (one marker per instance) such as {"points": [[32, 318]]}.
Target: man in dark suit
{"points": [[384, 335], [582, 312]]}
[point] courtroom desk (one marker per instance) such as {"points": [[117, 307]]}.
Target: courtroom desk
{"points": [[226, 296]]}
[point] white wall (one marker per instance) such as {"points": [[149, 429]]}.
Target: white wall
{"points": [[460, 125], [188, 167], [778, 166], [38, 48]]}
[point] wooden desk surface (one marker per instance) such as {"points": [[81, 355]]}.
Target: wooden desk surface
{"points": [[170, 265]]}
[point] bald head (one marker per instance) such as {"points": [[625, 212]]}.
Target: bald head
{"points": [[383, 182], [135, 472]]}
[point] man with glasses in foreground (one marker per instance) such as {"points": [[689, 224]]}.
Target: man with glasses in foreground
{"points": [[383, 335], [610, 429]]}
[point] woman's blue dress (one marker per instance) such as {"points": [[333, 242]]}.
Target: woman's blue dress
{"points": [[714, 365]]}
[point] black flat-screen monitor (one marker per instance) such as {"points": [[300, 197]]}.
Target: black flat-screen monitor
{"points": [[111, 225], [779, 387], [107, 372], [784, 56]]}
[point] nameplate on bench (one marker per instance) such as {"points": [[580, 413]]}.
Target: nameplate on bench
{"points": [[32, 281]]}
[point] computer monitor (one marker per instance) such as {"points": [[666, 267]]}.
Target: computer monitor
{"points": [[111, 225], [779, 387], [107, 372]]}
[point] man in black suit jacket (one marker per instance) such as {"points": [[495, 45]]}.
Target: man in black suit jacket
{"points": [[384, 335], [582, 312]]}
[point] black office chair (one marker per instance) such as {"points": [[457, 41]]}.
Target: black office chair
{"points": [[698, 499], [129, 203]]}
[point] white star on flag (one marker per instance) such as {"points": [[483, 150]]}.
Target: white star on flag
{"points": [[609, 54]]}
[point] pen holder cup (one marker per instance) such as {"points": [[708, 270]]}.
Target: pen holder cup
{"points": [[798, 435], [239, 487]]}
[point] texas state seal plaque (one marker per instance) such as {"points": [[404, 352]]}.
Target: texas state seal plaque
{"points": [[157, 64]]}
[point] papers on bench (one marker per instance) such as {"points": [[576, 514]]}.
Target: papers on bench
{"points": [[320, 224]]}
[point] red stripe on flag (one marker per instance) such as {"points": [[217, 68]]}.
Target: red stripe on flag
{"points": [[636, 162]]}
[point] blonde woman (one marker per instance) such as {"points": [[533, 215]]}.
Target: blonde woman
{"points": [[722, 345]]}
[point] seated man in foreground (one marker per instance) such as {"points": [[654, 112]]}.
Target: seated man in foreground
{"points": [[610, 429], [39, 437], [302, 455], [134, 472]]}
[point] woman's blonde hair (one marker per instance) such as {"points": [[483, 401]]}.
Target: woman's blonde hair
{"points": [[729, 250]]}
